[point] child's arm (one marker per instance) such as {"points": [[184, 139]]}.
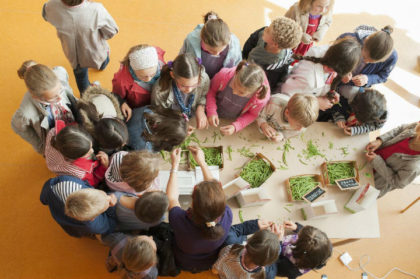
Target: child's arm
{"points": [[26, 131], [172, 188], [198, 155], [203, 88], [100, 170], [323, 28], [106, 24], [251, 114], [383, 73], [251, 43], [364, 128]]}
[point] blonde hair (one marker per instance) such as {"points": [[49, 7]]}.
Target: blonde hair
{"points": [[305, 6], [303, 108], [126, 60], [138, 254], [85, 204], [215, 31], [252, 76], [287, 33], [38, 78], [139, 168]]}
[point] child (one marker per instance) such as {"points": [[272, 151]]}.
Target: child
{"points": [[240, 92], [78, 208], [138, 72], [49, 98], [83, 28], [69, 151], [321, 71], [365, 113], [101, 116], [133, 172], [201, 230], [248, 261], [271, 48], [140, 212], [285, 117], [308, 248], [183, 86], [378, 58], [134, 256], [213, 44], [315, 17], [395, 157], [156, 128]]}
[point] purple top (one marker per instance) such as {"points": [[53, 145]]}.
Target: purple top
{"points": [[314, 16], [192, 251], [229, 105], [213, 63]]}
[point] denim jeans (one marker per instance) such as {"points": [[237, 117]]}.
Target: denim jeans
{"points": [[82, 76]]}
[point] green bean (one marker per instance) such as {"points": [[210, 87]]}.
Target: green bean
{"points": [[229, 150], [312, 150], [256, 172], [212, 155], [300, 185], [241, 218], [339, 171]]}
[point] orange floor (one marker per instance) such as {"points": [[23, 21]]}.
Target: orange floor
{"points": [[32, 245]]}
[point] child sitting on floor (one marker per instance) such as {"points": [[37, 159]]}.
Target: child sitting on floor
{"points": [[69, 151], [271, 48], [284, 117], [213, 44], [237, 93], [133, 172]]}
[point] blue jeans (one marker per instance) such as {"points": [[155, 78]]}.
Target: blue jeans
{"points": [[82, 76]]}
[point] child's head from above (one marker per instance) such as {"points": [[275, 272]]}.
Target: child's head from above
{"points": [[72, 2], [312, 249], [369, 106], [215, 34], [342, 56], [249, 79], [87, 204], [143, 60], [263, 248], [139, 253], [73, 142], [168, 128], [151, 206], [378, 46], [208, 204], [111, 133], [316, 7], [184, 70], [139, 168], [41, 82], [302, 111], [283, 33]]}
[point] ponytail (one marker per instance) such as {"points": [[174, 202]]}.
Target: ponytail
{"points": [[380, 44], [38, 78], [252, 77]]}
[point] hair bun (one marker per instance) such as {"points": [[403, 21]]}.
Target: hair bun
{"points": [[210, 16], [388, 29]]}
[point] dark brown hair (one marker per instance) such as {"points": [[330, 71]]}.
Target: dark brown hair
{"points": [[72, 142], [215, 32], [312, 249], [111, 133], [252, 76], [369, 106], [72, 2], [380, 44], [151, 206], [208, 204], [343, 56], [168, 127], [184, 66]]}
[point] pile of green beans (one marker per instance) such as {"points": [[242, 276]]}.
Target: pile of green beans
{"points": [[256, 172], [212, 155], [312, 150], [339, 171], [301, 185]]}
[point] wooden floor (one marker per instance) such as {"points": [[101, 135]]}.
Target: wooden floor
{"points": [[32, 245]]}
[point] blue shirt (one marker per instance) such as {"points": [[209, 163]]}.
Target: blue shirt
{"points": [[136, 125]]}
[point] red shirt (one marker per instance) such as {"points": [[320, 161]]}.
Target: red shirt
{"points": [[399, 147]]}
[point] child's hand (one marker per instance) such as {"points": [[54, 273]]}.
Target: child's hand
{"points": [[198, 155], [372, 146], [347, 131], [341, 124], [370, 156], [290, 225], [214, 120], [103, 158], [175, 158], [277, 230], [113, 200], [263, 224], [126, 111], [360, 80], [347, 78], [201, 118], [268, 131], [190, 130], [324, 103], [227, 130], [278, 138], [306, 38]]}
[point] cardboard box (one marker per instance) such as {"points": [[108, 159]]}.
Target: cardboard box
{"points": [[325, 172], [252, 197], [318, 210], [219, 148], [318, 178], [259, 156], [233, 187]]}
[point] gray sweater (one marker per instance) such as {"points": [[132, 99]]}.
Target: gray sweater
{"points": [[399, 169]]}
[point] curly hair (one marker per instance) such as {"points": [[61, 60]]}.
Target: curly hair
{"points": [[287, 33], [369, 106]]}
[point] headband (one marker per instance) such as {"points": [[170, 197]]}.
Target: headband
{"points": [[386, 31], [143, 58]]}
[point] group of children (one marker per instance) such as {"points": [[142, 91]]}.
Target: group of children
{"points": [[103, 146]]}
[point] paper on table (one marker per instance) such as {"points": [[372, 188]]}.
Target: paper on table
{"points": [[199, 174]]}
